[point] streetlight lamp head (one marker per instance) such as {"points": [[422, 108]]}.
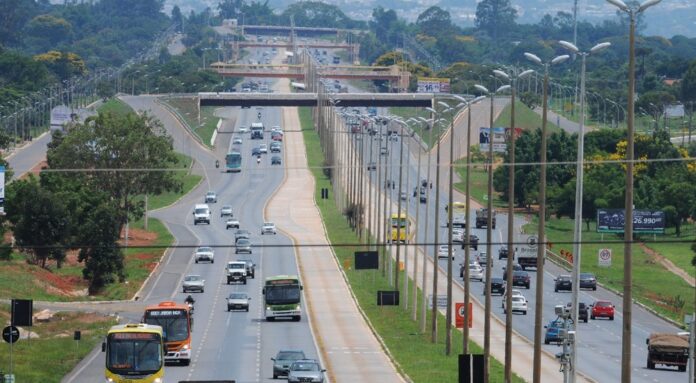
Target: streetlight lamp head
{"points": [[431, 110], [560, 59], [481, 88], [570, 46], [525, 73], [460, 98], [647, 4], [600, 47], [443, 104], [502, 88], [532, 57], [500, 73], [477, 99], [619, 4]]}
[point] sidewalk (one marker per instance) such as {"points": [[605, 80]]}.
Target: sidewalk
{"points": [[343, 337]]}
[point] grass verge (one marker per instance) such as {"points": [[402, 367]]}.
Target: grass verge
{"points": [[525, 118], [653, 285], [51, 352], [116, 107], [420, 359], [479, 182], [188, 110]]}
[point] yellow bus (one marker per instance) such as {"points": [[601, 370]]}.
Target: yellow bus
{"points": [[458, 214], [399, 225], [134, 353]]}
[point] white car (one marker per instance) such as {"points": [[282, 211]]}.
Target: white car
{"points": [[232, 223], [515, 293], [519, 304], [482, 259], [263, 148], [226, 211], [194, 283], [237, 141], [210, 197], [475, 271], [268, 228], [457, 235], [204, 253], [443, 251], [243, 129]]}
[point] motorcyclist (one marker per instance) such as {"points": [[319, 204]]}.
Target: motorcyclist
{"points": [[189, 300], [258, 159]]}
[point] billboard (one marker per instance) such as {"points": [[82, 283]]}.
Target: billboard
{"points": [[644, 221], [433, 85], [499, 139]]}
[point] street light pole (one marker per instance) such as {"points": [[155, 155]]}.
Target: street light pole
{"points": [[513, 76], [433, 313], [425, 240], [579, 174], [541, 237]]}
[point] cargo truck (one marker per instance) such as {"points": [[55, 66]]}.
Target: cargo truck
{"points": [[668, 350], [482, 218]]}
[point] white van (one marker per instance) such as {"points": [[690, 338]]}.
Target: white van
{"points": [[201, 213]]}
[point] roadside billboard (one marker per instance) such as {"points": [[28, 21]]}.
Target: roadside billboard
{"points": [[499, 139], [433, 85], [644, 221]]}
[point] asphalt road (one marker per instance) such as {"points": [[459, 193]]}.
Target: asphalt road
{"points": [[226, 345], [599, 346]]}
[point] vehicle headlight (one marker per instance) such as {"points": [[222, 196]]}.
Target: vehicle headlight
{"points": [[157, 380], [186, 347], [297, 307], [268, 308], [109, 380]]}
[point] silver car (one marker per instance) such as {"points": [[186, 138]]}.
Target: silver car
{"points": [[194, 283], [306, 370], [238, 301], [243, 246], [268, 228], [237, 141], [226, 211], [204, 253], [210, 197]]}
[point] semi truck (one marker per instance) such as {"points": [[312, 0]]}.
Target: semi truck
{"points": [[668, 350], [482, 218]]}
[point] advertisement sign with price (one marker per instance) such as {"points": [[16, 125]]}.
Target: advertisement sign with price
{"points": [[604, 257], [644, 221]]}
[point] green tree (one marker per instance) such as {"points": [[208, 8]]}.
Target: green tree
{"points": [[47, 31], [177, 18], [434, 21], [39, 220], [230, 9], [100, 253], [317, 14], [495, 16], [688, 83], [105, 90], [114, 153], [531, 99]]}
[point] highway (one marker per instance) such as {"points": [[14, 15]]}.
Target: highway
{"points": [[599, 347], [226, 345]]}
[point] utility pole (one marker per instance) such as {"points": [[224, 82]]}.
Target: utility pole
{"points": [[467, 235], [425, 231], [398, 208]]}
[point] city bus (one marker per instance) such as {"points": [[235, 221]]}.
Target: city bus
{"points": [[177, 323], [282, 295], [399, 225], [233, 162], [134, 353], [458, 214]]}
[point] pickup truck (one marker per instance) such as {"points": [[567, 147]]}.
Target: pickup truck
{"points": [[668, 349], [236, 272]]}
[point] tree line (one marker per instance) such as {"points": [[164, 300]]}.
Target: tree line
{"points": [[91, 186]]}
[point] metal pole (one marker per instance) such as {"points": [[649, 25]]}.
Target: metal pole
{"points": [[414, 308], [511, 234], [450, 248], [436, 240], [467, 234], [541, 240], [577, 234], [628, 231], [489, 252], [408, 228], [398, 211], [425, 240], [692, 341]]}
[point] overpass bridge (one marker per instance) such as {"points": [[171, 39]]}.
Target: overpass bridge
{"points": [[289, 45], [314, 99], [279, 30], [392, 74]]}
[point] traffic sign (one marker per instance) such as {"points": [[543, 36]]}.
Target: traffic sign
{"points": [[604, 257], [10, 334], [441, 301], [459, 316], [485, 197]]}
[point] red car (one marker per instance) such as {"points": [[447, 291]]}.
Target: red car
{"points": [[602, 309]]}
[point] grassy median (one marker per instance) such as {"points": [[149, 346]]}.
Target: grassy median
{"points": [[187, 108], [420, 359]]}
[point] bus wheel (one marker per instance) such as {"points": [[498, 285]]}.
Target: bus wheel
{"points": [[186, 362], [270, 319], [296, 318]]}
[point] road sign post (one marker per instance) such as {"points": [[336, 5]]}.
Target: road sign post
{"points": [[604, 257], [10, 334]]}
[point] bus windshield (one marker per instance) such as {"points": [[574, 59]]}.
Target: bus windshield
{"points": [[233, 160], [281, 295], [396, 222], [132, 353], [174, 323]]}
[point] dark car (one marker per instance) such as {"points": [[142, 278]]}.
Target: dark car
{"points": [[256, 151], [588, 281], [275, 147], [503, 253], [283, 360], [521, 278], [250, 267], [473, 240], [241, 233], [515, 267], [497, 286], [563, 282], [275, 160], [583, 311]]}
